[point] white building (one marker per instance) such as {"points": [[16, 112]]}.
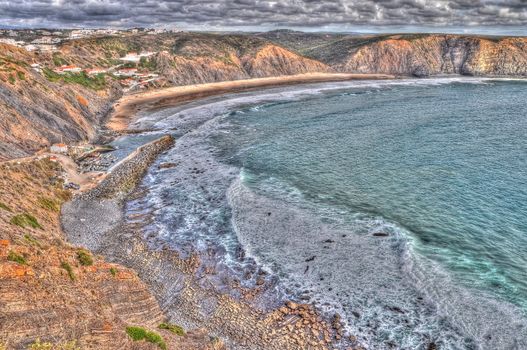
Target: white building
{"points": [[59, 148], [68, 69], [135, 57], [36, 67], [30, 47], [46, 47], [47, 40], [95, 71], [126, 72]]}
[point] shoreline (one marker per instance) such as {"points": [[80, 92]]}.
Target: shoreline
{"points": [[159, 258], [127, 108], [184, 287]]}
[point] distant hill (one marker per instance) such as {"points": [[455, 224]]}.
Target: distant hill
{"points": [[41, 107]]}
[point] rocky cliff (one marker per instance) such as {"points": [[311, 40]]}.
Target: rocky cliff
{"points": [[57, 294], [423, 55]]}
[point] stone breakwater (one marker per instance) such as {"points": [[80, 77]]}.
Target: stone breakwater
{"points": [[128, 173], [184, 288]]}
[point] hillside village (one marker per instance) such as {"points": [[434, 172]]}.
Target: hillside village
{"points": [[47, 39], [126, 72], [130, 70]]}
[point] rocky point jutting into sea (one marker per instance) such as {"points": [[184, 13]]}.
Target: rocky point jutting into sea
{"points": [[204, 223]]}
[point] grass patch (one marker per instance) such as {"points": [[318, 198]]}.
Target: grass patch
{"points": [[48, 204], [68, 269], [12, 256], [172, 328], [11, 79], [32, 240], [38, 345], [96, 82], [25, 220], [84, 257], [113, 271], [5, 207], [21, 75], [139, 333], [51, 75], [59, 60]]}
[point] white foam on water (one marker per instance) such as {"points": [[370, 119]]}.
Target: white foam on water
{"points": [[387, 293], [194, 114]]}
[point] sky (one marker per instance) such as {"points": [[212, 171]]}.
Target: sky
{"points": [[466, 16]]}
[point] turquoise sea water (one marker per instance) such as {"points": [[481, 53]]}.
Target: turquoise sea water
{"points": [[306, 186], [447, 163]]}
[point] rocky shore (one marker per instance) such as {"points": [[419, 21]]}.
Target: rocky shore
{"points": [[96, 220]]}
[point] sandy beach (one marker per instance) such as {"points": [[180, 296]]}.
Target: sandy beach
{"points": [[130, 105]]}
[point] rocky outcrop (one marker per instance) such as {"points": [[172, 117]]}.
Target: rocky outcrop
{"points": [[426, 55], [273, 60]]}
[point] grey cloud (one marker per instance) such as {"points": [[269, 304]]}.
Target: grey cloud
{"points": [[262, 13]]}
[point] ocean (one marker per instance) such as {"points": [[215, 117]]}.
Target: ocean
{"points": [[401, 205]]}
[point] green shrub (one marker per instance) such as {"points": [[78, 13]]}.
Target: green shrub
{"points": [[5, 207], [12, 256], [21, 75], [113, 271], [11, 79], [139, 333], [172, 328], [48, 204], [25, 220], [155, 338], [96, 82], [68, 269], [147, 63], [84, 257], [38, 345], [136, 333]]}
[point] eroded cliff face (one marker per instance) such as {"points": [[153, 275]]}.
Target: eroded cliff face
{"points": [[426, 55], [36, 111], [232, 59], [273, 60]]}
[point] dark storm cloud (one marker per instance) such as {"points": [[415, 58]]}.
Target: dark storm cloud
{"points": [[262, 13]]}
